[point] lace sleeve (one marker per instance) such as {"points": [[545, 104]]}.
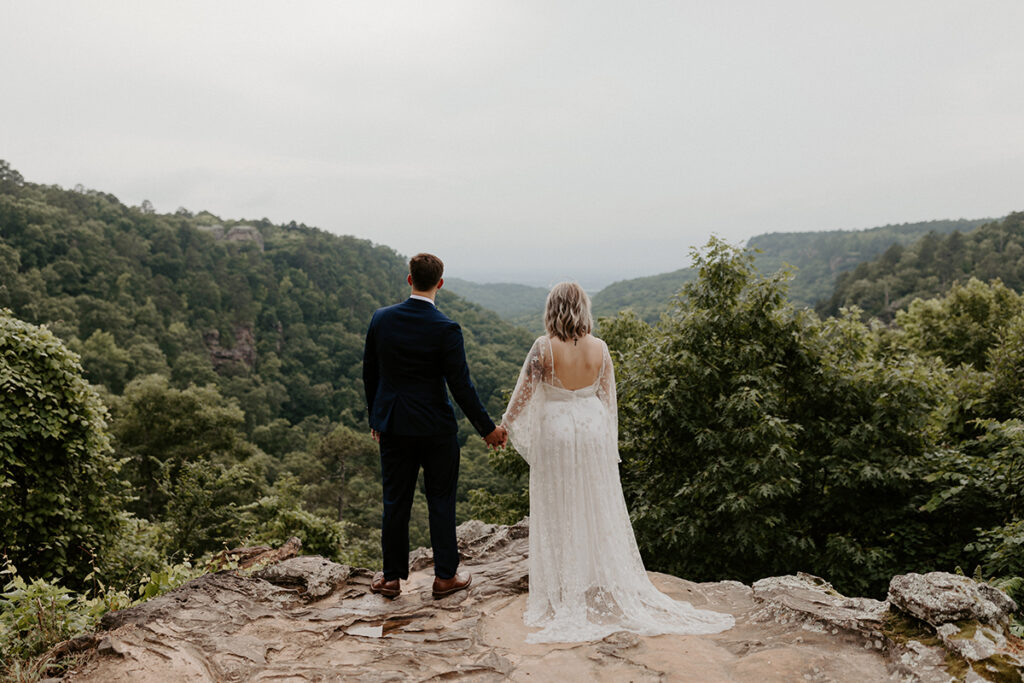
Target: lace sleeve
{"points": [[606, 392], [521, 411]]}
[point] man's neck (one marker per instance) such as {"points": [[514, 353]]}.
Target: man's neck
{"points": [[425, 295]]}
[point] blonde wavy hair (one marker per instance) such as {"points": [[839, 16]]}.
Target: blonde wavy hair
{"points": [[567, 312]]}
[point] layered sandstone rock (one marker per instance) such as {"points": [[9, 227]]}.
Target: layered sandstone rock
{"points": [[307, 619]]}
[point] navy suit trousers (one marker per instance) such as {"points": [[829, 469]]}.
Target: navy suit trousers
{"points": [[400, 460]]}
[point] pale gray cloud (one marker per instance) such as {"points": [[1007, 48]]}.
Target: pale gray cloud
{"points": [[526, 141]]}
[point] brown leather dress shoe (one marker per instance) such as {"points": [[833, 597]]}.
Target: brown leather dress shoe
{"points": [[389, 589], [443, 587]]}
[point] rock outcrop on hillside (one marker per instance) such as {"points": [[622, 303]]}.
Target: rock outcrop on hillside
{"points": [[238, 233], [242, 352], [307, 619]]}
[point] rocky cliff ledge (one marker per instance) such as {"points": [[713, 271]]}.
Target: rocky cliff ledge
{"points": [[307, 619], [238, 233]]}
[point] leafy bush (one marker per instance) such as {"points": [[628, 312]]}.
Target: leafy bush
{"points": [[139, 550], [206, 504], [1006, 368], [981, 487], [36, 615], [168, 577], [319, 535], [498, 508], [505, 506], [61, 493]]}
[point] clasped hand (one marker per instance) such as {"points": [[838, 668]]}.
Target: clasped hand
{"points": [[498, 438]]}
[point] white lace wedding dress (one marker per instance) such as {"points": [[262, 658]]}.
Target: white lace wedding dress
{"points": [[586, 576]]}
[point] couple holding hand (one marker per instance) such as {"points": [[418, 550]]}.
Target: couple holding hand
{"points": [[587, 579]]}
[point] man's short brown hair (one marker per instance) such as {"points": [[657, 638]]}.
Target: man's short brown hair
{"points": [[426, 271]]}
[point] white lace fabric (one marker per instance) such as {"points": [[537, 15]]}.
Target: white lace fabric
{"points": [[587, 579]]}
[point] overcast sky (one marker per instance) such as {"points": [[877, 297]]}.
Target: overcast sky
{"points": [[526, 141]]}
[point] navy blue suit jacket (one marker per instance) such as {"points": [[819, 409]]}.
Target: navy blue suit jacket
{"points": [[412, 351]]}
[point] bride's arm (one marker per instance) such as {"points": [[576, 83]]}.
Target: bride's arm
{"points": [[516, 417], [530, 377], [606, 391]]}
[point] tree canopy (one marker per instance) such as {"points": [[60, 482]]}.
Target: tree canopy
{"points": [[273, 315], [930, 267], [758, 439]]}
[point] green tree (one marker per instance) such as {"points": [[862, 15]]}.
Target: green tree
{"points": [[106, 362], [207, 502], [60, 482], [332, 474], [1006, 369], [160, 429], [961, 326], [711, 460], [280, 515], [979, 490], [10, 179], [753, 436]]}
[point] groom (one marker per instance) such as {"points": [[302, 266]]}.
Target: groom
{"points": [[412, 352]]}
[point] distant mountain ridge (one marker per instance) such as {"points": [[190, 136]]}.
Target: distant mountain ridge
{"points": [[821, 256], [930, 266], [518, 304], [818, 257], [647, 296]]}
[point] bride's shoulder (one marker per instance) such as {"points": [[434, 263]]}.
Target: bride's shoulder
{"points": [[542, 342], [541, 347]]}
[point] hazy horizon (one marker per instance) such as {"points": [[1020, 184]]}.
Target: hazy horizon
{"points": [[542, 276], [526, 141]]}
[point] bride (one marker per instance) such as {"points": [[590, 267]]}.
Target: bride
{"points": [[586, 576]]}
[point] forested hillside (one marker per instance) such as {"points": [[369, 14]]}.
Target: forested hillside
{"points": [[930, 266], [274, 315], [523, 305], [648, 297], [229, 356], [818, 258], [520, 305]]}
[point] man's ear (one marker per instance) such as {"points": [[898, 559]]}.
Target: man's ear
{"points": [[440, 283], [408, 278]]}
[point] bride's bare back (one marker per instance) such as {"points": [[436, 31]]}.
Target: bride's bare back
{"points": [[577, 365]]}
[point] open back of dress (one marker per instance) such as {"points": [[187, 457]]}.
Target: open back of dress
{"points": [[587, 579]]}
